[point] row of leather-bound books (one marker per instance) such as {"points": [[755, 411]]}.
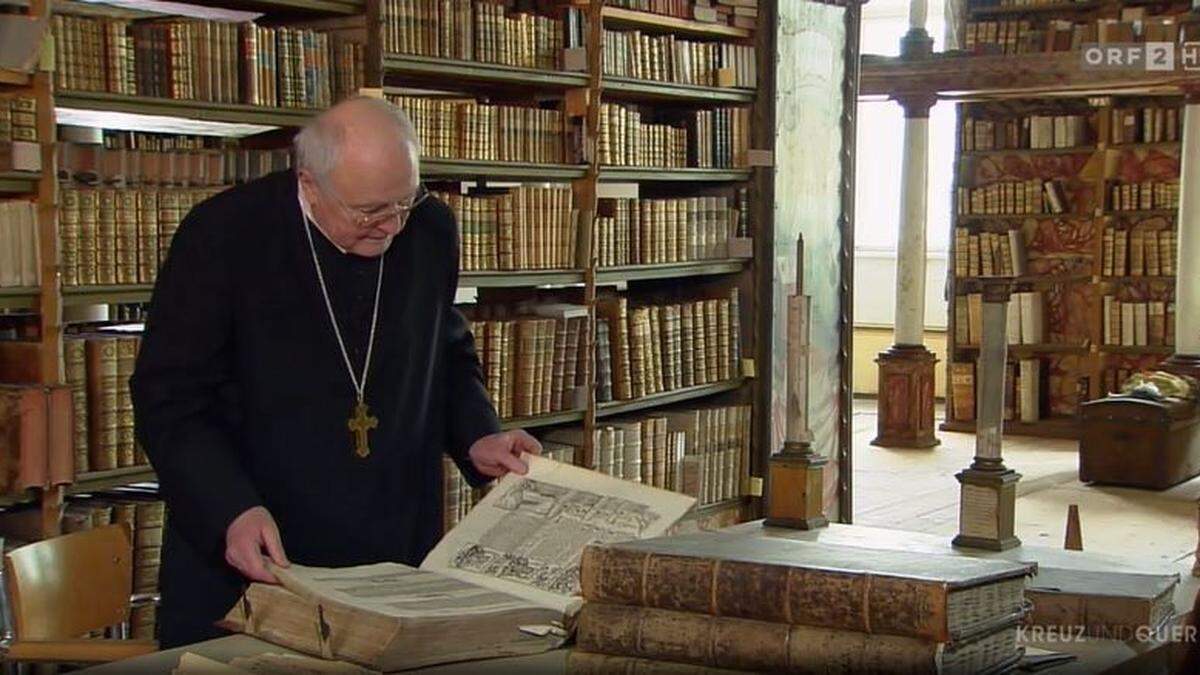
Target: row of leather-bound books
{"points": [[1061, 35], [745, 601], [718, 138], [989, 254], [1012, 197], [643, 350], [458, 128], [1025, 320], [653, 231], [1150, 124], [1144, 195], [166, 165], [18, 118], [98, 367], [1138, 323], [666, 58], [201, 60], [145, 515], [1022, 391], [737, 13], [113, 236], [1034, 132], [486, 32], [1138, 251], [19, 255], [703, 452], [523, 228], [534, 356]]}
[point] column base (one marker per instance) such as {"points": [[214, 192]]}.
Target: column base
{"points": [[987, 505], [905, 418], [1183, 364], [796, 491]]}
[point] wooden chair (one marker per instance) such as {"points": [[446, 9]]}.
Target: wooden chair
{"points": [[68, 586]]}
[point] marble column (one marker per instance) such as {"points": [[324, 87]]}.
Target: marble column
{"points": [[1186, 360], [986, 515], [906, 370]]}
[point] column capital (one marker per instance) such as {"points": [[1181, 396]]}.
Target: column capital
{"points": [[916, 104]]}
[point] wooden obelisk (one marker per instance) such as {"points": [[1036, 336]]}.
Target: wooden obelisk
{"points": [[795, 490]]}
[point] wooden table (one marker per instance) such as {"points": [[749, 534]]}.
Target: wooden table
{"points": [[227, 648]]}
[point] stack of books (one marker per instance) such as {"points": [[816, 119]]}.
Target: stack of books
{"points": [[19, 254], [522, 228], [1144, 196], [989, 254], [653, 231], [1026, 319], [159, 160], [718, 138], [1144, 125], [1057, 35], [1024, 197], [1138, 251], [666, 58], [737, 13], [98, 367], [1139, 323], [778, 605], [460, 128], [1034, 132]]}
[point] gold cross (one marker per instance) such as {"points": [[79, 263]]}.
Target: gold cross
{"points": [[359, 424]]}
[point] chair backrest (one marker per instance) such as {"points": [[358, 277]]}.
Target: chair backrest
{"points": [[67, 586]]}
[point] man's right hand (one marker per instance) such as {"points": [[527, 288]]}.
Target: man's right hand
{"points": [[251, 533]]}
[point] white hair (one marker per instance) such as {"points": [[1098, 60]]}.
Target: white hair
{"points": [[319, 143]]}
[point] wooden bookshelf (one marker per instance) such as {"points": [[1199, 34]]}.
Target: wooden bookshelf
{"points": [[233, 113], [1081, 150], [627, 18], [467, 169], [94, 481], [609, 275], [536, 421], [21, 297], [425, 68], [19, 182], [1013, 76], [612, 408], [625, 174], [14, 78], [1055, 427], [402, 74], [628, 88], [1072, 280], [1048, 8]]}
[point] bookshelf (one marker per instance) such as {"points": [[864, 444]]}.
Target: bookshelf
{"points": [[1083, 264], [576, 94]]}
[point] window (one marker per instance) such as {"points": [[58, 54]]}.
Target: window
{"points": [[881, 137]]}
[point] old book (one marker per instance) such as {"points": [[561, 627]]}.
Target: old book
{"points": [[1120, 252], [1157, 323], [589, 663], [1106, 318], [1150, 253], [1141, 324], [103, 385], [814, 584], [1128, 319], [1137, 252], [1029, 390], [1013, 321], [962, 391], [75, 369], [1101, 604], [127, 348], [749, 645], [975, 317], [459, 605], [1033, 315], [1107, 253]]}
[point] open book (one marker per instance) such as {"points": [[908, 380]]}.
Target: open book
{"points": [[503, 582]]}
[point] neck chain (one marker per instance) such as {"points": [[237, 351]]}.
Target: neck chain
{"points": [[360, 421]]}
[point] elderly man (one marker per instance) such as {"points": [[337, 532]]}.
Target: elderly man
{"points": [[304, 368]]}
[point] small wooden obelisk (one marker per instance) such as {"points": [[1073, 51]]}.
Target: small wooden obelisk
{"points": [[795, 490]]}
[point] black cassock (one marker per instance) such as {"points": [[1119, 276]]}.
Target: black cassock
{"points": [[242, 397]]}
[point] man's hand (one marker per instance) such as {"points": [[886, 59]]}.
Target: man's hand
{"points": [[248, 535], [496, 455]]}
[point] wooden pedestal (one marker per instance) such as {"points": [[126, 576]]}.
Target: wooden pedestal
{"points": [[906, 398], [795, 491], [1139, 443]]}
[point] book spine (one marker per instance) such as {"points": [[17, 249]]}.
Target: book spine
{"points": [[747, 645], [773, 593]]}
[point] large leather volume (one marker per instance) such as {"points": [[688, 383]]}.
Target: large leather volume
{"points": [[743, 644], [767, 592], [23, 438], [102, 402]]}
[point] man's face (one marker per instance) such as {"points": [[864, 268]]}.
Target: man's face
{"points": [[361, 203]]}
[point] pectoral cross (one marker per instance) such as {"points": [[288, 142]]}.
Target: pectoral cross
{"points": [[359, 424]]}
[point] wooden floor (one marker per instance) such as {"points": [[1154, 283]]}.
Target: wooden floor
{"points": [[916, 490]]}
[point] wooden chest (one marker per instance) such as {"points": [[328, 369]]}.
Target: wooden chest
{"points": [[1138, 443]]}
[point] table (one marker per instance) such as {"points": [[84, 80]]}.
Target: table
{"points": [[228, 648]]}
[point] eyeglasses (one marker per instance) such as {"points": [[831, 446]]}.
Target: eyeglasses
{"points": [[367, 217]]}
